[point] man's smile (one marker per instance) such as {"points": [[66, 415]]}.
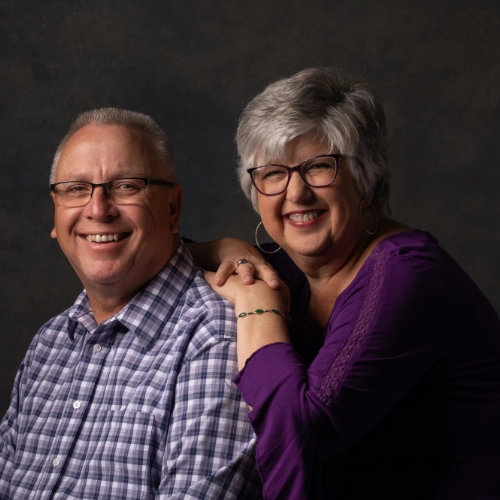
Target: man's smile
{"points": [[104, 238]]}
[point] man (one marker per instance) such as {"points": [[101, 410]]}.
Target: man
{"points": [[128, 393]]}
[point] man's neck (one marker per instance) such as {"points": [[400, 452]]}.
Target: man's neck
{"points": [[108, 299], [104, 308]]}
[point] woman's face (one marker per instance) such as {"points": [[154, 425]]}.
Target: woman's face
{"points": [[308, 222]]}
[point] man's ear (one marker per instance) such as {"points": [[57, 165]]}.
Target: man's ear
{"points": [[53, 233], [175, 204]]}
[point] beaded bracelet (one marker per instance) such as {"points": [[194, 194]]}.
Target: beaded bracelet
{"points": [[260, 311]]}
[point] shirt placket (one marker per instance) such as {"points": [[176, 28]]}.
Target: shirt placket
{"points": [[77, 401]]}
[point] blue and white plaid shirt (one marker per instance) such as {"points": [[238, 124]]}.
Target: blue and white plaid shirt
{"points": [[141, 406]]}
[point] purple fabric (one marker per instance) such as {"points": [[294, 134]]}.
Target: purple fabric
{"points": [[397, 397]]}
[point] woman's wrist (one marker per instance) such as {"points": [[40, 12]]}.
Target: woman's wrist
{"points": [[259, 311], [258, 296]]}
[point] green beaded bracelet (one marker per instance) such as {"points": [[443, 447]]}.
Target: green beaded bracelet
{"points": [[260, 311]]}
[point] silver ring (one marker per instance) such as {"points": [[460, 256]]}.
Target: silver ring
{"points": [[241, 261]]}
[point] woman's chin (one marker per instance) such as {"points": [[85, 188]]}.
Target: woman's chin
{"points": [[309, 248]]}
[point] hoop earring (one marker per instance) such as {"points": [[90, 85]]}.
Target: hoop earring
{"points": [[257, 241], [371, 233]]}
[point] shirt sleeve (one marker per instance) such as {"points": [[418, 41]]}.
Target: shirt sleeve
{"points": [[384, 333], [210, 450], [8, 438]]}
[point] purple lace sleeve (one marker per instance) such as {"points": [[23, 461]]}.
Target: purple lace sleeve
{"points": [[360, 328]]}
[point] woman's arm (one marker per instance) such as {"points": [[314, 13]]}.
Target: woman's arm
{"points": [[379, 343], [255, 330]]}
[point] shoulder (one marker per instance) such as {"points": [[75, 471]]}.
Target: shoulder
{"points": [[415, 255], [206, 323], [414, 260], [208, 311], [55, 330], [404, 269], [402, 280], [194, 309], [47, 342]]}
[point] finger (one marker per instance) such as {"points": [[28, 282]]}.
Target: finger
{"points": [[267, 274], [246, 272], [223, 272]]}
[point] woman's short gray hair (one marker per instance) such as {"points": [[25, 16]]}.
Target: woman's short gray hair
{"points": [[342, 110], [125, 118]]}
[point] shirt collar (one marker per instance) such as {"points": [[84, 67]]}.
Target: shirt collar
{"points": [[146, 314]]}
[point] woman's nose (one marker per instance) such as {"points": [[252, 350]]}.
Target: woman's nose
{"points": [[297, 189]]}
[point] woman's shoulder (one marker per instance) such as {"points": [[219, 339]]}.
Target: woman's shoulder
{"points": [[395, 238], [403, 245], [415, 265]]}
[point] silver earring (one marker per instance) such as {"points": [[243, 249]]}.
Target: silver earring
{"points": [[257, 241], [371, 233]]}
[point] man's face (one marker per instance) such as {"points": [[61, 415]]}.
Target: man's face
{"points": [[146, 230]]}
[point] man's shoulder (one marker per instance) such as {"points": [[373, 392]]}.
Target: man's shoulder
{"points": [[203, 305], [56, 327], [193, 324]]}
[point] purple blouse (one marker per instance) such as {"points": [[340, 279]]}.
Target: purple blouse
{"points": [[398, 396]]}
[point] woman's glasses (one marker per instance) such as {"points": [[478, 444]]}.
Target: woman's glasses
{"points": [[318, 171]]}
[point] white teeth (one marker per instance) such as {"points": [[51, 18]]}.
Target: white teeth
{"points": [[102, 238], [303, 217]]}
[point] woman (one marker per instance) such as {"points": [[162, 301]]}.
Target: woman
{"points": [[386, 383]]}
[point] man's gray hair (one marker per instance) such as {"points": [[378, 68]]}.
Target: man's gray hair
{"points": [[342, 110], [125, 118]]}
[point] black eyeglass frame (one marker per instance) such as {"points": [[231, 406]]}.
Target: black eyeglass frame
{"points": [[155, 182], [297, 168]]}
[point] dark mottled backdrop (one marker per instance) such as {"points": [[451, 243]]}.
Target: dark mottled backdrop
{"points": [[193, 65]]}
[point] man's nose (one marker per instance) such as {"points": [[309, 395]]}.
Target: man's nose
{"points": [[100, 205]]}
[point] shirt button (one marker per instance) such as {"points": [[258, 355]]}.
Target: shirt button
{"points": [[97, 348], [56, 462], [76, 405]]}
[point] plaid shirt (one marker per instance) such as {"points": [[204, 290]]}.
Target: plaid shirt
{"points": [[141, 406]]}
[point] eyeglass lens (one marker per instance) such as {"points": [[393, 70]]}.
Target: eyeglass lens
{"points": [[316, 172], [78, 194]]}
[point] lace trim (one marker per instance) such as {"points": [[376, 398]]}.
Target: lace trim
{"points": [[366, 314]]}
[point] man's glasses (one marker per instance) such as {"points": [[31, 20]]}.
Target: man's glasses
{"points": [[318, 171], [73, 194]]}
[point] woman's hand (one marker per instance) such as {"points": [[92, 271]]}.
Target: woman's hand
{"points": [[224, 256], [258, 296], [255, 330]]}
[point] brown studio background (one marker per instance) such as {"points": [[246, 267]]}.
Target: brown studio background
{"points": [[193, 65]]}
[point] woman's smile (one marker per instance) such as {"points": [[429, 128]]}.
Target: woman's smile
{"points": [[304, 216]]}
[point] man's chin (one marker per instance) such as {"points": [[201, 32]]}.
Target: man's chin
{"points": [[102, 277]]}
